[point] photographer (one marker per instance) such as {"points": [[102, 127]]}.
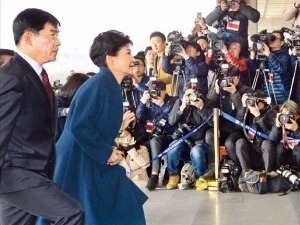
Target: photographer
{"points": [[253, 151], [187, 114], [136, 158], [194, 66], [278, 61], [139, 77], [153, 112], [233, 56], [287, 125], [227, 97], [231, 18]]}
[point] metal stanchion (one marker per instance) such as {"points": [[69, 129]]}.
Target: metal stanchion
{"points": [[216, 115]]}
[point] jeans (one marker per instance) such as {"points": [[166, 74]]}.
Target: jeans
{"points": [[157, 145], [197, 155]]}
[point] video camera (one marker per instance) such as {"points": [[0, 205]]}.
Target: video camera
{"points": [[285, 118], [261, 38], [177, 41], [255, 97], [294, 41]]}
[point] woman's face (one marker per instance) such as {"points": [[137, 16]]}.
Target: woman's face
{"points": [[122, 64]]}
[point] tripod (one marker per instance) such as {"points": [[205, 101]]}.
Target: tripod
{"points": [[264, 72], [177, 73], [293, 81]]}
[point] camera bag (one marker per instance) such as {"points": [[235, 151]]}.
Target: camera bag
{"points": [[253, 182]]}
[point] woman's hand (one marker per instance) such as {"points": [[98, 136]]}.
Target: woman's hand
{"points": [[115, 157]]}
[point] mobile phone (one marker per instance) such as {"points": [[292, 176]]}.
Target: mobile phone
{"points": [[199, 15]]}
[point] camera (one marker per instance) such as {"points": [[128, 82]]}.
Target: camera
{"points": [[294, 41], [224, 82], [254, 97], [153, 90], [181, 131], [159, 128], [230, 173], [194, 96], [216, 43], [285, 118], [127, 83], [261, 38], [177, 41], [288, 174], [154, 93]]}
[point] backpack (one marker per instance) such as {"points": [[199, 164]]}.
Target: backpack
{"points": [[187, 176]]}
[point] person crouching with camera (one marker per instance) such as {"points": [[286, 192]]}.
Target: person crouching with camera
{"points": [[188, 114], [136, 158], [254, 151], [287, 126]]}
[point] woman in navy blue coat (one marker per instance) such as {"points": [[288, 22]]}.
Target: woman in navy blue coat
{"points": [[87, 164]]}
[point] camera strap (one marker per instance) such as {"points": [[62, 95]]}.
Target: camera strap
{"points": [[174, 143]]}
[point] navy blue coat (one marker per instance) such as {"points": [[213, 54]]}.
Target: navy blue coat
{"points": [[107, 195]]}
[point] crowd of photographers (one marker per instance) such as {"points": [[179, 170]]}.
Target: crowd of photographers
{"points": [[178, 81]]}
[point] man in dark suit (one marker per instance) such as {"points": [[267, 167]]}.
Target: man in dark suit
{"points": [[27, 128]]}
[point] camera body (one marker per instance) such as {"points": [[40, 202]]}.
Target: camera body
{"points": [[224, 82], [181, 131], [254, 98], [154, 93], [176, 42], [159, 128], [294, 41], [261, 38], [127, 83], [285, 118]]}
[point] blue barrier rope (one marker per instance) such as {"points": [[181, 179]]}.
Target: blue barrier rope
{"points": [[174, 143]]}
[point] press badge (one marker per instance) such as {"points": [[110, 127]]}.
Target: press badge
{"points": [[233, 25]]}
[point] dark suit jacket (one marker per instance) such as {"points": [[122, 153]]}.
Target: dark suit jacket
{"points": [[27, 128]]}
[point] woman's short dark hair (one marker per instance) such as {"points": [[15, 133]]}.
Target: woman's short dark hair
{"points": [[107, 43]]}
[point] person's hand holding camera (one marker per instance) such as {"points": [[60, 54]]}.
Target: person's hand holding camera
{"points": [[183, 53], [116, 157], [266, 50], [158, 100], [185, 100], [146, 97], [254, 110], [291, 125], [231, 88]]}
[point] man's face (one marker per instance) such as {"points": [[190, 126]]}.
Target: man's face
{"points": [[139, 70], [277, 43], [157, 44]]}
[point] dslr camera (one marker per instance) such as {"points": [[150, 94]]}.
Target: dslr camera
{"points": [[294, 41], [181, 131], [127, 83], [159, 128], [153, 90], [224, 82], [290, 174], [254, 97], [285, 118]]}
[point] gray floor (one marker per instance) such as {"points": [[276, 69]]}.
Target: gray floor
{"points": [[191, 207]]}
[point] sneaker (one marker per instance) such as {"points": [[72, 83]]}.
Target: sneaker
{"points": [[173, 181], [201, 184], [210, 173], [152, 182]]}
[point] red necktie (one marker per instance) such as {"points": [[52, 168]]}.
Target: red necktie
{"points": [[48, 87]]}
